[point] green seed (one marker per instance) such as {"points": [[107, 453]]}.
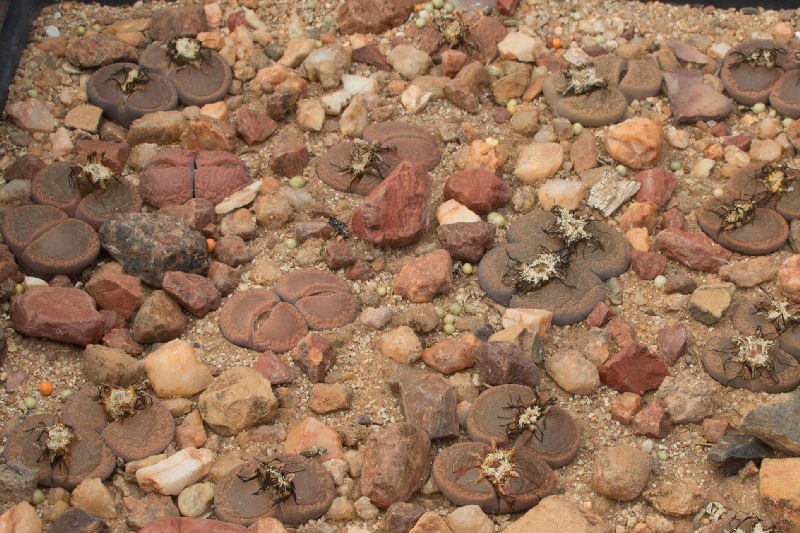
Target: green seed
{"points": [[291, 243], [662, 455], [420, 22], [382, 291], [428, 6], [466, 268], [438, 4], [499, 221], [298, 182], [787, 122], [511, 106], [600, 40], [576, 16], [758, 108], [456, 309], [621, 170], [449, 8], [460, 297], [80, 30], [449, 319], [439, 312], [37, 497], [674, 165], [577, 128], [491, 216], [449, 329], [317, 44], [772, 113], [33, 93], [66, 393], [311, 4], [97, 27], [19, 288], [327, 19], [659, 282], [30, 403]]}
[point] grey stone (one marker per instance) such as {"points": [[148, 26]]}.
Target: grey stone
{"points": [[776, 422]]}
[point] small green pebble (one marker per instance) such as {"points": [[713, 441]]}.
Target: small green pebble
{"points": [[577, 128], [439, 312], [438, 4], [66, 393], [311, 4], [449, 319], [298, 182], [456, 309], [576, 16], [674, 165], [327, 19], [428, 6], [491, 216], [499, 221], [662, 455], [460, 297], [449, 329], [80, 30], [511, 106], [758, 108], [449, 8], [621, 170], [19, 288], [659, 282], [382, 291], [787, 122], [600, 40], [466, 268], [420, 22], [97, 27], [37, 497], [33, 93], [317, 44], [772, 113], [291, 243], [30, 403]]}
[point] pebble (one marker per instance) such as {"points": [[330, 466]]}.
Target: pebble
{"points": [[635, 142], [765, 151], [408, 61], [567, 194], [31, 115], [421, 279], [518, 46], [173, 474], [552, 513], [237, 399], [538, 161], [451, 212], [429, 400], [789, 277], [400, 344], [735, 450], [469, 519], [708, 302], [195, 500], [749, 273], [621, 472], [21, 518], [573, 372], [634, 369], [174, 370], [779, 486], [688, 400], [773, 422]]}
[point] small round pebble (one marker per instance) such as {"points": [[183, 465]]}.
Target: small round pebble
{"points": [[291, 243], [298, 182], [600, 40], [758, 108], [772, 113], [448, 319], [659, 281], [499, 220], [449, 329], [577, 128], [37, 497], [662, 455], [674, 165], [576, 16], [466, 268], [717, 192], [381, 291], [311, 4], [621, 170], [52, 31], [456, 309], [30, 403], [97, 27], [511, 106]]}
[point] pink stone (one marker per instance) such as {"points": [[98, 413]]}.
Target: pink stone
{"points": [[646, 265], [672, 342], [673, 218], [624, 406], [657, 186], [634, 369], [694, 249], [449, 356]]}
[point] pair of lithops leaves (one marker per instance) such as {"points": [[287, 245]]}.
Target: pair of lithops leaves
{"points": [[763, 70], [763, 354], [585, 252], [752, 216], [597, 91], [86, 440], [179, 70], [518, 437], [359, 166]]}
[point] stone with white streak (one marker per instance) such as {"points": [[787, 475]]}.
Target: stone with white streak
{"points": [[176, 472]]}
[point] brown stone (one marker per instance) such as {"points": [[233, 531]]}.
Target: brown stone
{"points": [[122, 339], [224, 277], [634, 369], [371, 55], [274, 369], [779, 487], [24, 168], [463, 90], [657, 186], [97, 50], [57, 313], [372, 16], [120, 293], [254, 127], [197, 294], [338, 255], [315, 355], [289, 156], [672, 343], [480, 190], [600, 315], [330, 397], [652, 421], [624, 406], [428, 400], [647, 265], [191, 432], [449, 356], [583, 152], [177, 22], [232, 250], [694, 249], [503, 362], [159, 319], [421, 279], [714, 428], [206, 133]]}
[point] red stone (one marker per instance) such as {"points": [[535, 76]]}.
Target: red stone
{"points": [[254, 127], [24, 168], [720, 130], [601, 314], [624, 406], [111, 320], [315, 355], [360, 271], [224, 277], [680, 283], [583, 152], [312, 229], [634, 369], [421, 279], [61, 280], [9, 270], [282, 102], [452, 62], [218, 175], [289, 157], [652, 421], [122, 339], [673, 218], [196, 213], [464, 89], [115, 155], [274, 369], [191, 525], [372, 16], [177, 22], [197, 294], [116, 292], [480, 190], [232, 250], [692, 248], [57, 313], [714, 428], [206, 133], [647, 265], [657, 186], [507, 7], [338, 255], [394, 214], [371, 55], [672, 342], [621, 330], [235, 20], [740, 141], [467, 241]]}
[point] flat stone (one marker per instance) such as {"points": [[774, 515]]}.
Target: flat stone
{"points": [[237, 399], [254, 127], [647, 265], [97, 50], [749, 273], [421, 279], [428, 400], [709, 302], [330, 397], [197, 294], [554, 514], [734, 450], [57, 313], [159, 127], [684, 498], [449, 356], [621, 472], [538, 161], [274, 369], [692, 100], [31, 115], [634, 369], [692, 248], [775, 422], [311, 432], [779, 488], [206, 133], [400, 344], [480, 190], [625, 406], [573, 372], [401, 516], [657, 186], [177, 22], [173, 474], [84, 117]]}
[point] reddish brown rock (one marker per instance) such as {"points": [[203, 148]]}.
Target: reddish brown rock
{"points": [[168, 178], [225, 278], [467, 241], [692, 248], [583, 152], [115, 154], [196, 213], [507, 7], [714, 428], [149, 509], [601, 314], [120, 293], [652, 421], [449, 356], [464, 89], [486, 32], [274, 369], [401, 517], [428, 400], [680, 283], [478, 189], [235, 20], [191, 525], [621, 330], [282, 102], [647, 265], [372, 16], [503, 362], [315, 355], [24, 168], [360, 271], [177, 22], [289, 156], [97, 50], [159, 319], [421, 279], [122, 339], [254, 127], [657, 186], [371, 55], [634, 369], [338, 255], [206, 133], [60, 314], [396, 464], [9, 270], [317, 228], [197, 294], [624, 406], [452, 61], [380, 221], [672, 342], [742, 142], [673, 218], [232, 250]]}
